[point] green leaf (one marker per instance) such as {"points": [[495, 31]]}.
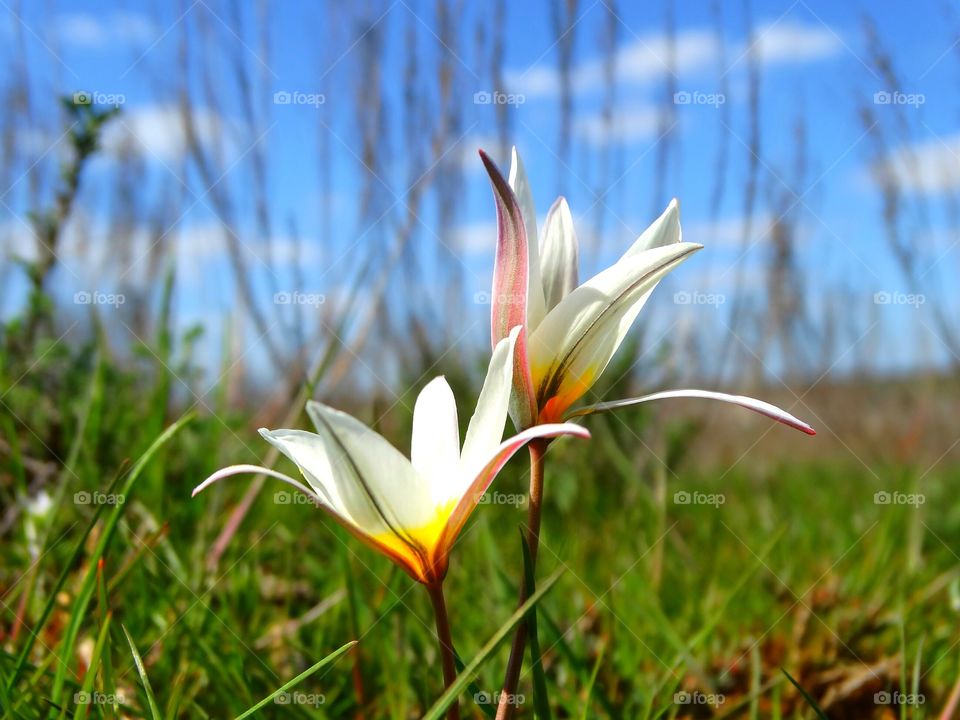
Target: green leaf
{"points": [[302, 676], [151, 701], [541, 701], [470, 671]]}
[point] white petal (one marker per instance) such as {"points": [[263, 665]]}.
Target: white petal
{"points": [[665, 230], [435, 447], [558, 254], [536, 306], [579, 336], [758, 406], [486, 425], [257, 470], [371, 484]]}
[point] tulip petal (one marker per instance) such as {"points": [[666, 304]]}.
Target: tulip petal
{"points": [[486, 426], [414, 569], [374, 485], [257, 470], [558, 254], [536, 307], [758, 406], [581, 334], [665, 230], [510, 284], [435, 446], [477, 484]]}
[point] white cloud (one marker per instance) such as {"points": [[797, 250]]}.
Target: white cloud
{"points": [[795, 42], [930, 166], [157, 132], [648, 59], [465, 154], [642, 60], [626, 126], [86, 30], [476, 237], [725, 233], [89, 256]]}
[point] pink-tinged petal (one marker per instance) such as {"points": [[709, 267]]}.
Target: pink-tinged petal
{"points": [[758, 406], [493, 466], [511, 268], [509, 296]]}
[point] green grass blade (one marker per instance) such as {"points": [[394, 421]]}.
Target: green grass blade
{"points": [[473, 688], [302, 676], [92, 670], [151, 701], [592, 682], [79, 609], [109, 686], [806, 696], [470, 671], [541, 701], [78, 548]]}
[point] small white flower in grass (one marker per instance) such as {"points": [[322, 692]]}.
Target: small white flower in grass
{"points": [[410, 510], [571, 330]]}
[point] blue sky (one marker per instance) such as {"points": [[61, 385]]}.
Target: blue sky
{"points": [[814, 66]]}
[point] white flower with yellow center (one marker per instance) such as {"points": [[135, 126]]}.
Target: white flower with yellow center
{"points": [[410, 510]]}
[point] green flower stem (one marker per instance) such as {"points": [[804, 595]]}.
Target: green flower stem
{"points": [[447, 653], [537, 449]]}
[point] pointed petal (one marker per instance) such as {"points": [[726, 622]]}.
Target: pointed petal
{"points": [[435, 447], [477, 485], [579, 336], [257, 470], [558, 254], [536, 307], [758, 406], [509, 298], [665, 230], [486, 425], [413, 569]]}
